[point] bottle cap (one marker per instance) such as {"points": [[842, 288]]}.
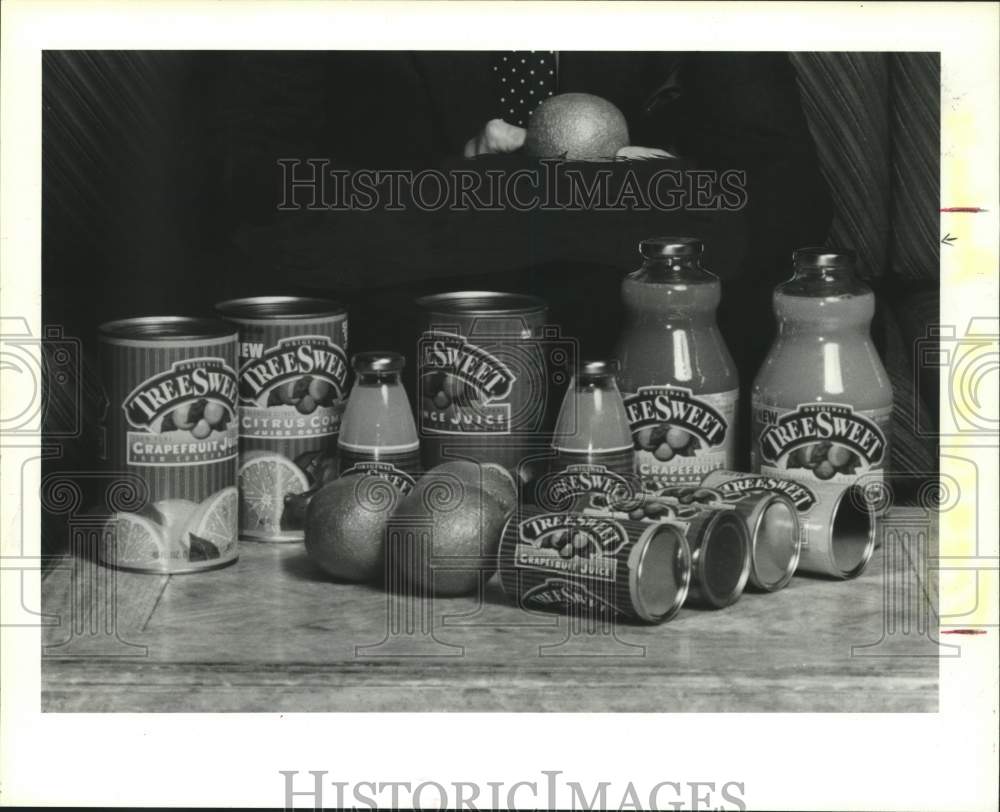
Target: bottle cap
{"points": [[671, 247], [817, 257], [599, 369], [369, 363]]}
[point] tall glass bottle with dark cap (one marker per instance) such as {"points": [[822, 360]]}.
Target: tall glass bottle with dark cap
{"points": [[377, 433], [679, 381], [594, 461]]}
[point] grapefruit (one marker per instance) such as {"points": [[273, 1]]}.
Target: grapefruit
{"points": [[345, 526], [457, 528], [577, 126]]}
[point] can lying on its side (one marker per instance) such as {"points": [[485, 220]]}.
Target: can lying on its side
{"points": [[594, 565], [482, 376], [293, 381], [771, 520], [837, 521], [170, 385]]}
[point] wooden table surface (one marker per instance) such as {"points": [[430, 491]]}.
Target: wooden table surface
{"points": [[271, 633]]}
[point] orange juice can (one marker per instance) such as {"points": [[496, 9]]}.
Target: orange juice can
{"points": [[170, 391], [293, 370]]}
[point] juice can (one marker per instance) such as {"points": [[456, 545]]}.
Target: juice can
{"points": [[770, 517], [292, 389], [838, 522], [594, 566], [170, 389], [482, 376]]}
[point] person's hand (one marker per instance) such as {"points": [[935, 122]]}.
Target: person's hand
{"points": [[641, 153], [496, 137]]}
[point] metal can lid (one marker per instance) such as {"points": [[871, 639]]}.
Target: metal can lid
{"points": [[268, 308], [482, 303], [819, 257], [166, 328], [852, 532], [724, 559], [653, 247], [659, 572], [776, 543], [373, 362]]}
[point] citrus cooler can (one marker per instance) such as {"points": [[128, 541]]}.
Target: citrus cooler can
{"points": [[170, 389], [292, 389]]}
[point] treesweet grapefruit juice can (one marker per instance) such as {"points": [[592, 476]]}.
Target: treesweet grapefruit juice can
{"points": [[170, 389]]}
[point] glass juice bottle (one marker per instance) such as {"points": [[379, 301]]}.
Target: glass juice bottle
{"points": [[822, 400], [678, 378], [377, 434], [594, 458]]}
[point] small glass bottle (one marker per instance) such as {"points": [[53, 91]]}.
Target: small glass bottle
{"points": [[822, 399], [679, 381], [594, 460], [377, 434]]}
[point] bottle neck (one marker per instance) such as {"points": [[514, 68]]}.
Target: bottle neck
{"points": [[377, 378]]}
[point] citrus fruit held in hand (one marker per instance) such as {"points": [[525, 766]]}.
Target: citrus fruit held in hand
{"points": [[345, 526], [134, 541], [211, 530], [463, 534], [578, 126], [265, 479]]}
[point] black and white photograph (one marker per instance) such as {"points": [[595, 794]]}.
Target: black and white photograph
{"points": [[653, 380]]}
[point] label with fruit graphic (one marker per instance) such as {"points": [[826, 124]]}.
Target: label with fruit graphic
{"points": [[820, 441], [463, 388], [563, 487], [570, 543], [184, 415], [680, 436], [801, 496], [292, 389]]}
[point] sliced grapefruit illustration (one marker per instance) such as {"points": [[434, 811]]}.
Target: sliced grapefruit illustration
{"points": [[211, 530], [132, 540]]}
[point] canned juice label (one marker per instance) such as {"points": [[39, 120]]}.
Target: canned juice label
{"points": [[463, 388], [562, 488], [294, 388], [570, 543], [569, 595], [680, 436], [820, 441], [802, 496], [183, 416]]}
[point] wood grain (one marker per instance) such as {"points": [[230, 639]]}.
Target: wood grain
{"points": [[272, 633]]}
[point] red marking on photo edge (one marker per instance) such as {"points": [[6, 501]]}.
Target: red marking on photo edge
{"points": [[963, 631], [963, 210]]}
